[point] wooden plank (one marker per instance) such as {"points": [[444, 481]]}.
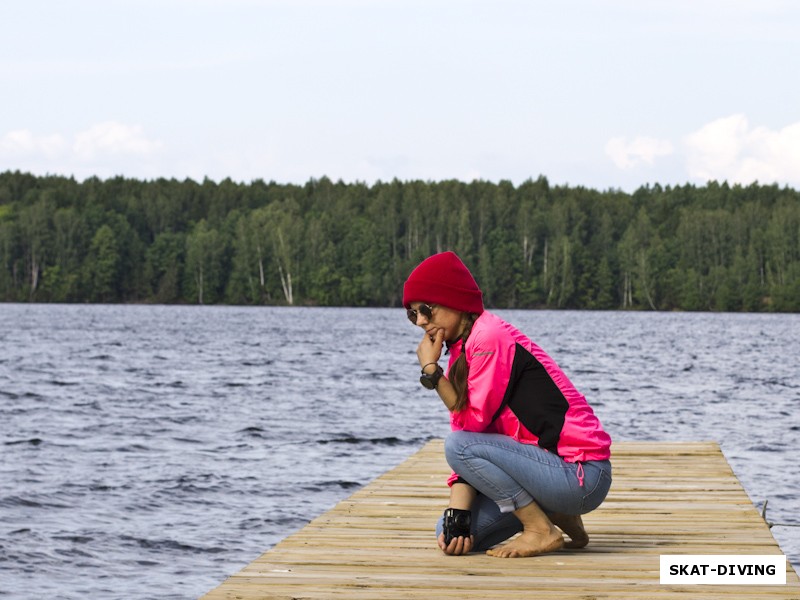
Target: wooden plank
{"points": [[667, 498]]}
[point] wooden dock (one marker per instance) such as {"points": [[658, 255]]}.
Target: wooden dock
{"points": [[667, 498]]}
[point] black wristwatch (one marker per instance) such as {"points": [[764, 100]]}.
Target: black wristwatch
{"points": [[431, 380]]}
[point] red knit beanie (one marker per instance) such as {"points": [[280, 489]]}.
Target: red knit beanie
{"points": [[443, 279]]}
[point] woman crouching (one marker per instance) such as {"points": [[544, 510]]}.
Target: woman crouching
{"points": [[528, 453]]}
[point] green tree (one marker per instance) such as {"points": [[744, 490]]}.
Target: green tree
{"points": [[35, 237], [204, 253], [640, 250], [163, 270], [282, 232], [8, 288], [102, 266], [782, 240]]}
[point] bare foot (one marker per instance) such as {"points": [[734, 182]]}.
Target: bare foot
{"points": [[572, 525], [528, 544], [538, 536]]}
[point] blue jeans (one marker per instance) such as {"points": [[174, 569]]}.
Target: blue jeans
{"points": [[509, 475]]}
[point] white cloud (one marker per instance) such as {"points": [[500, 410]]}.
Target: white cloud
{"points": [[24, 143], [105, 149], [729, 149], [112, 138], [640, 150]]}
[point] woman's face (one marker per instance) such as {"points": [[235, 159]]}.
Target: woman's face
{"points": [[447, 319]]}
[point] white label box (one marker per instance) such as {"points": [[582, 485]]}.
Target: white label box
{"points": [[723, 569]]}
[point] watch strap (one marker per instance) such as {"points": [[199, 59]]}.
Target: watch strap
{"points": [[431, 380]]}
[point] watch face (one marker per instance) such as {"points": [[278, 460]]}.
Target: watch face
{"points": [[428, 381]]}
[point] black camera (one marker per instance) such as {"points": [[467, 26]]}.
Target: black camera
{"points": [[457, 523]]}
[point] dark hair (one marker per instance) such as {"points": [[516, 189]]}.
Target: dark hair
{"points": [[459, 373]]}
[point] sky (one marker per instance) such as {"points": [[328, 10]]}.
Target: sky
{"points": [[602, 94]]}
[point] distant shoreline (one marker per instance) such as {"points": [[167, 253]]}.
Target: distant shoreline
{"points": [[713, 248], [398, 308]]}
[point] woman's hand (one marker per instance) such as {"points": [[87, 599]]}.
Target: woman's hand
{"points": [[430, 348], [462, 495], [459, 545]]}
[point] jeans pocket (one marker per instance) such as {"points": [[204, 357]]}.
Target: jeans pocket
{"points": [[598, 493]]}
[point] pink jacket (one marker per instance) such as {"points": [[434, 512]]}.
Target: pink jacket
{"points": [[516, 389]]}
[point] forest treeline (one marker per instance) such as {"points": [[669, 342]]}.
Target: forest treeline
{"points": [[715, 247]]}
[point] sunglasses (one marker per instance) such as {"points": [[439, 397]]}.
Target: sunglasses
{"points": [[426, 310]]}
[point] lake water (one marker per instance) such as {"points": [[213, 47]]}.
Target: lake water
{"points": [[151, 451]]}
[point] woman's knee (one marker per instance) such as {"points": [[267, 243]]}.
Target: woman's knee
{"points": [[454, 445]]}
